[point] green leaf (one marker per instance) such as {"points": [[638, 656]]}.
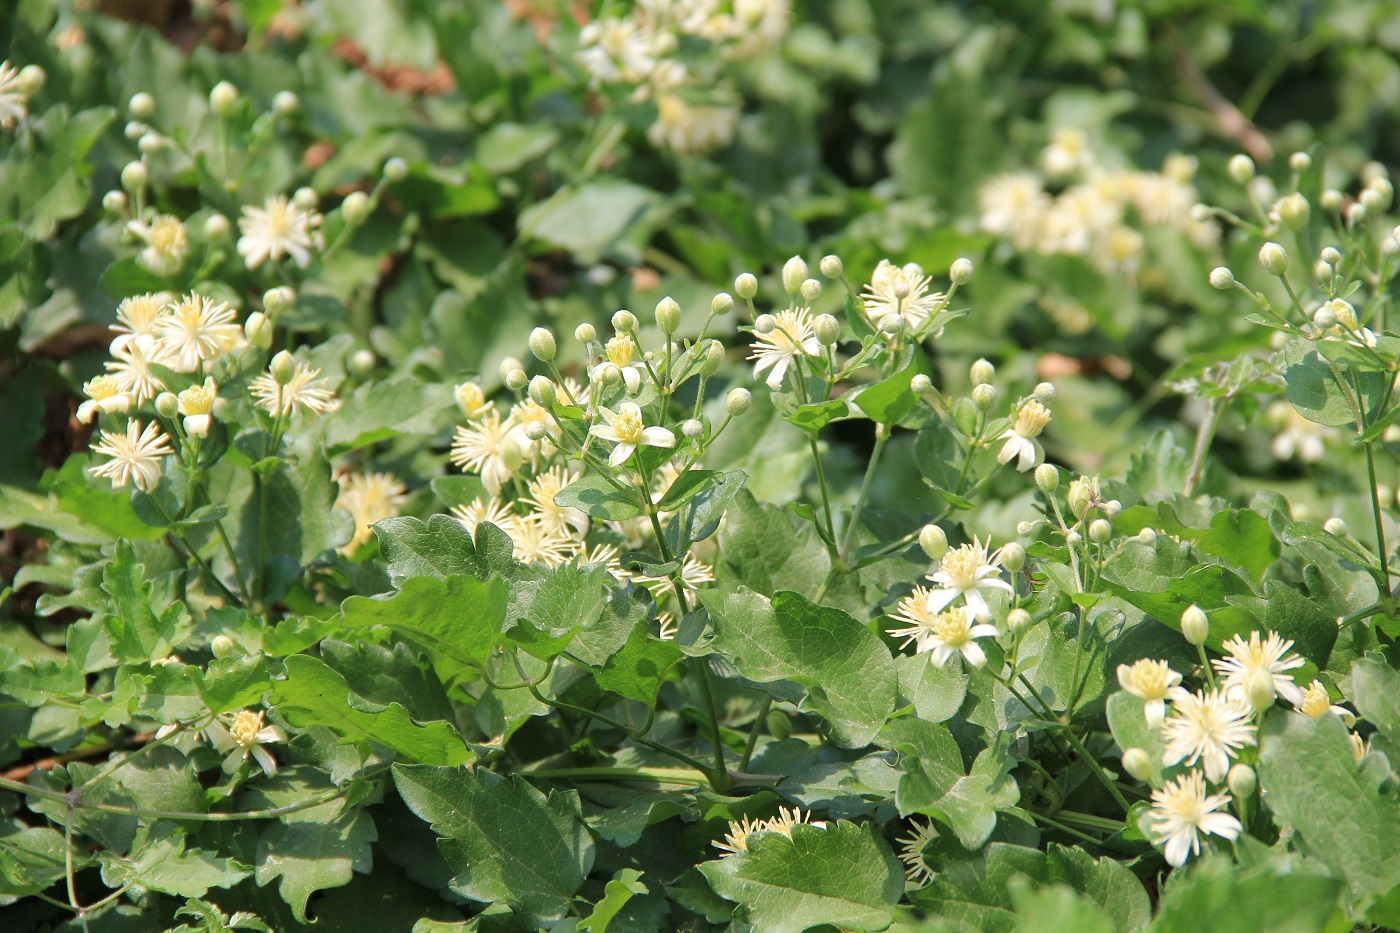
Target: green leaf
{"points": [[843, 875], [315, 695], [138, 633], [890, 400], [1106, 883], [967, 804], [377, 411], [588, 220], [936, 693], [506, 840], [165, 865], [686, 486], [551, 610], [1130, 730], [763, 548], [847, 671], [314, 849], [699, 517], [457, 617], [1314, 392], [233, 683], [1375, 689], [817, 415], [1240, 537], [33, 858], [940, 460], [439, 547], [599, 498], [509, 146], [1348, 823], [640, 668], [1214, 895], [1055, 908], [627, 901]]}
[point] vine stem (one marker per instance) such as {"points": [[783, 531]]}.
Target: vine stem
{"points": [[1205, 433], [75, 803], [1387, 598], [882, 436], [758, 721], [826, 496]]}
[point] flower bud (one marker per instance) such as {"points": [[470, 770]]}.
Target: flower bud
{"points": [[258, 330], [517, 379], [1240, 168], [933, 541], [306, 198], [585, 333], [1356, 214], [167, 405], [135, 129], [960, 272], [508, 365], [149, 143], [1044, 393], [892, 324], [624, 322], [831, 266], [1013, 556], [1047, 477], [1025, 528], [1194, 625], [982, 372], [1222, 278], [1331, 255], [1293, 211], [1111, 508], [223, 98], [1073, 539], [114, 202], [276, 300], [1078, 498], [542, 391], [216, 227], [1324, 318], [1100, 531], [141, 106], [1242, 781], [668, 315], [362, 363], [1300, 161], [1138, 763], [746, 286], [1384, 189], [355, 208], [811, 290], [1373, 170], [692, 428], [1372, 201], [285, 103], [1259, 689], [826, 329], [1335, 527], [30, 80], [794, 271], [1148, 537], [223, 646], [1018, 621], [542, 344], [1331, 200], [764, 324], [134, 176], [984, 396], [395, 169], [920, 384], [606, 374], [721, 304], [1273, 258], [535, 430], [738, 401], [714, 358], [283, 367]]}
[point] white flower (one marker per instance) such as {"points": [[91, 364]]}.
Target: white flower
{"points": [[246, 735], [535, 542], [626, 429], [132, 367], [694, 572], [1297, 436], [491, 447], [1067, 153], [617, 50], [167, 244], [943, 634], [620, 351], [1013, 205], [689, 127], [472, 400], [1317, 703], [1020, 438], [1182, 811], [137, 456], [1206, 727], [775, 350], [737, 839], [278, 228], [138, 315], [12, 99], [368, 497], [1149, 680], [963, 572], [1078, 219], [492, 511], [196, 329], [305, 392], [104, 395], [196, 404], [901, 290], [911, 852], [1255, 655], [542, 490]]}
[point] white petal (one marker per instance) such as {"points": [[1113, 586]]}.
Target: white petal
{"points": [[974, 654], [620, 453], [632, 379], [658, 437], [938, 600], [1155, 711], [268, 763]]}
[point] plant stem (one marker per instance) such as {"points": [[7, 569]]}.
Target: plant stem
{"points": [[1098, 770], [826, 497], [882, 435], [1387, 599], [758, 722], [720, 780], [1204, 435]]}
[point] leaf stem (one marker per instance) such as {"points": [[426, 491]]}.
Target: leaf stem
{"points": [[882, 436]]}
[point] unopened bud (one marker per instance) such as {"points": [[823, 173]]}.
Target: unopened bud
{"points": [[1356, 214], [982, 372], [738, 401], [395, 169], [811, 290], [1194, 625], [543, 392], [508, 366], [1384, 190], [692, 428], [362, 362], [1025, 528], [258, 330], [606, 374], [223, 646], [1331, 200], [794, 271], [746, 286], [1111, 508], [141, 106], [216, 227], [764, 324], [1138, 763], [826, 329], [1240, 169], [517, 379], [1044, 393], [355, 208], [135, 129], [1331, 255], [984, 396], [114, 202], [920, 384], [624, 322], [1047, 477], [1300, 161], [277, 300], [536, 430], [1273, 258], [585, 333], [283, 367], [960, 272], [1073, 539], [1100, 531], [150, 143], [134, 176], [1324, 318], [167, 405], [1335, 527], [1259, 689], [1293, 211], [714, 358], [1372, 201], [1018, 621], [722, 304], [1013, 556], [933, 541], [1222, 278], [1242, 781], [306, 198], [668, 315], [223, 98], [831, 266], [285, 103], [1148, 537], [542, 344], [892, 324]]}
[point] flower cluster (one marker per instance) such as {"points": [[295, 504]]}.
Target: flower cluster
{"points": [[740, 831], [937, 627]]}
